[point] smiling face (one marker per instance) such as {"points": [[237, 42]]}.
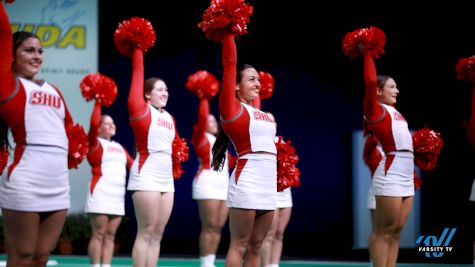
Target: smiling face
{"points": [[107, 127], [387, 91], [249, 85], [158, 95], [28, 58]]}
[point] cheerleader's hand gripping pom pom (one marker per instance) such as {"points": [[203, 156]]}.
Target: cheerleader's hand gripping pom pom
{"points": [[99, 87], [134, 33], [78, 145], [363, 41], [288, 175], [427, 147], [179, 155], [225, 16], [465, 69], [203, 84], [267, 85]]}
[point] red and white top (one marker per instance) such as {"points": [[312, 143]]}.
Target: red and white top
{"points": [[34, 111], [393, 130], [29, 108], [250, 129], [384, 121], [154, 130], [107, 158], [260, 132]]}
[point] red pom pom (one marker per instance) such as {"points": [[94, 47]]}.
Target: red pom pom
{"points": [[364, 41], [225, 16], [78, 145], [203, 84], [100, 87], [267, 85], [427, 147], [466, 69], [179, 155], [134, 33], [287, 173], [3, 158]]}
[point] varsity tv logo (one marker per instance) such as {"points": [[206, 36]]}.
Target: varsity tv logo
{"points": [[435, 247]]}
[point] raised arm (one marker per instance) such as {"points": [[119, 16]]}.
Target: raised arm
{"points": [[471, 123], [6, 56], [200, 127], [229, 106], [136, 102], [94, 126], [371, 109]]}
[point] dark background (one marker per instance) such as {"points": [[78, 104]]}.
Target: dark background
{"points": [[317, 104]]}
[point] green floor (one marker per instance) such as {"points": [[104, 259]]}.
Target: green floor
{"points": [[78, 261]]}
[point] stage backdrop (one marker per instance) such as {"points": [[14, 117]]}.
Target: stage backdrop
{"points": [[69, 34]]}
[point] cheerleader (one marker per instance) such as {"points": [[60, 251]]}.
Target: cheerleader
{"points": [[151, 178], [392, 183], [209, 186], [34, 193], [106, 195], [252, 186]]}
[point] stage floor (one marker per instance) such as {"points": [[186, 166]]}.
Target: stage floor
{"points": [[82, 261]]}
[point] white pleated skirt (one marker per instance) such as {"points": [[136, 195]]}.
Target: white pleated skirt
{"points": [[156, 174], [399, 179], [39, 182], [210, 184], [253, 183]]}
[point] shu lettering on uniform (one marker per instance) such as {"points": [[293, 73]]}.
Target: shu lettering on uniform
{"points": [[45, 99]]}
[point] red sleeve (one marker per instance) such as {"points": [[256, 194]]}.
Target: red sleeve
{"points": [[371, 109], [471, 123], [199, 129], [130, 160], [94, 126], [257, 103], [229, 106], [136, 102], [6, 55]]}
